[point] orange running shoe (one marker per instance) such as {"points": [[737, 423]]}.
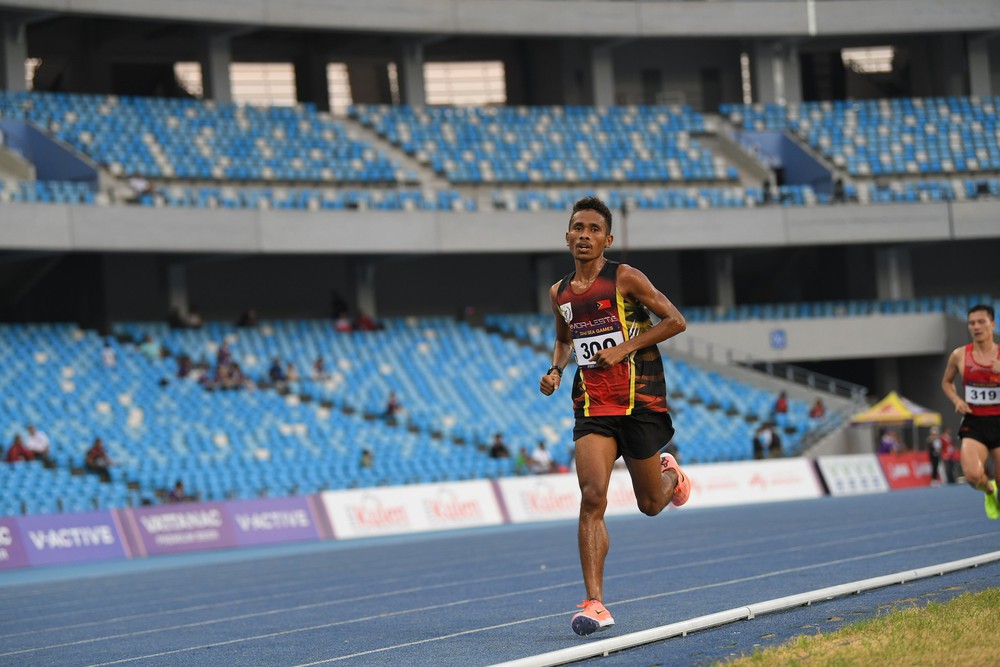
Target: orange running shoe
{"points": [[593, 617], [683, 488]]}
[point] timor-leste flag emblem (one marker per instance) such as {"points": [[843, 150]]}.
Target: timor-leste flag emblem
{"points": [[603, 304]]}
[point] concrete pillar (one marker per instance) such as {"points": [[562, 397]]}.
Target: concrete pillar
{"points": [[602, 74], [775, 72], [978, 54], [177, 294], [215, 79], [13, 53], [893, 273], [723, 285], [410, 74], [364, 271]]}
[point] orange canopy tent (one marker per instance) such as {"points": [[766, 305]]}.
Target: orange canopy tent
{"points": [[895, 409]]}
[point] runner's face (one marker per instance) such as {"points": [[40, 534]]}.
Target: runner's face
{"points": [[588, 236], [980, 326]]}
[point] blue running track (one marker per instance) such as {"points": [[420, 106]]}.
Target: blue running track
{"points": [[486, 596]]}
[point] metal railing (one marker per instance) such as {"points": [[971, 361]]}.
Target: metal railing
{"points": [[722, 354]]}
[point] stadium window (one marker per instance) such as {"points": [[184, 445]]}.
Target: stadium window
{"points": [[868, 60], [475, 83], [252, 83], [263, 83], [466, 83], [339, 88]]}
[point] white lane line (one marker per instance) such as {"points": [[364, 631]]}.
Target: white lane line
{"points": [[748, 612], [316, 605]]}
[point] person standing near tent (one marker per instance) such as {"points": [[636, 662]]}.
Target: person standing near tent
{"points": [[979, 365]]}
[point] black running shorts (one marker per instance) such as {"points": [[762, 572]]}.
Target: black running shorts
{"points": [[985, 429], [639, 436]]}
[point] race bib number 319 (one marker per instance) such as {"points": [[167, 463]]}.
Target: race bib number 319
{"points": [[982, 395], [587, 347]]}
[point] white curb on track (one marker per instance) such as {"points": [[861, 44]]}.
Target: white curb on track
{"points": [[683, 628]]}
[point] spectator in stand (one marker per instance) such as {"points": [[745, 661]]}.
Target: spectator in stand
{"points": [[177, 494], [951, 456], [248, 319], [367, 459], [780, 406], [39, 445], [18, 451], [319, 369], [541, 459], [97, 460], [392, 408], [276, 374], [761, 441], [184, 366], [343, 324], [291, 373], [365, 322], [224, 354], [818, 410], [193, 320], [499, 450], [108, 356], [521, 461], [150, 348]]}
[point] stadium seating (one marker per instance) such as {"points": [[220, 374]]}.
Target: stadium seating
{"points": [[951, 305], [251, 442], [306, 199], [215, 155], [161, 138], [47, 192], [889, 137], [556, 145]]}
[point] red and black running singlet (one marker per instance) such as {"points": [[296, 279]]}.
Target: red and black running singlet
{"points": [[601, 318], [982, 385]]}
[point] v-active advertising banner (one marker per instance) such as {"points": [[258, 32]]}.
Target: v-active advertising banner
{"points": [[177, 528], [273, 520], [11, 545], [75, 537]]}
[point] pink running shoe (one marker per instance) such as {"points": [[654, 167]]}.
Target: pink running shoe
{"points": [[683, 489], [593, 617]]}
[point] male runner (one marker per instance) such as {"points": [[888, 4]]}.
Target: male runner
{"points": [[619, 393], [979, 365]]}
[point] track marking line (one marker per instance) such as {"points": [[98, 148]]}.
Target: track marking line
{"points": [[743, 613], [455, 603]]}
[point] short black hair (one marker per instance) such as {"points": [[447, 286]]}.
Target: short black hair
{"points": [[592, 204], [983, 306]]}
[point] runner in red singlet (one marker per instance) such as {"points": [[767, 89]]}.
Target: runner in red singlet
{"points": [[979, 365], [619, 394]]}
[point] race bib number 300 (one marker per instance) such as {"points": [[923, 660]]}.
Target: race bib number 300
{"points": [[587, 347], [982, 395]]}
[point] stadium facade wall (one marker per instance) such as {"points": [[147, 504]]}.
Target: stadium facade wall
{"points": [[82, 228], [636, 18]]}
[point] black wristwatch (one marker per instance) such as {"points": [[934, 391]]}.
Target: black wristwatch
{"points": [[554, 368]]}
